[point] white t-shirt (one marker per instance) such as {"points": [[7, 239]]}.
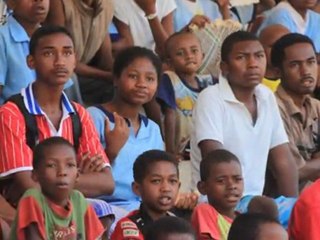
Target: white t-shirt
{"points": [[219, 116], [128, 12]]}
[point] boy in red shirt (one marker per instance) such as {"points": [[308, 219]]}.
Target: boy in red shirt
{"points": [[222, 182], [156, 181], [56, 211]]}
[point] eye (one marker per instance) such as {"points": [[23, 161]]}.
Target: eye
{"points": [[260, 55], [156, 181], [133, 76], [71, 164], [239, 179], [179, 53], [220, 180], [50, 165], [240, 57], [48, 53], [195, 50], [151, 79], [311, 62], [68, 53], [173, 181]]}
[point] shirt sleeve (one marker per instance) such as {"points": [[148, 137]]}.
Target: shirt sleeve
{"points": [[279, 135], [165, 94], [205, 222], [94, 228], [25, 218], [208, 117], [15, 154], [126, 229], [120, 11], [304, 222], [89, 140], [164, 8]]}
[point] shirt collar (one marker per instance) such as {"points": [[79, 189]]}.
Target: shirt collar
{"points": [[110, 116], [228, 95], [291, 106], [17, 32], [33, 107]]}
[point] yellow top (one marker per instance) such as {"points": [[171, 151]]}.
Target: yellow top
{"points": [[272, 84]]}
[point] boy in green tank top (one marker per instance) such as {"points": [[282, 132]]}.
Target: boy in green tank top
{"points": [[55, 211]]}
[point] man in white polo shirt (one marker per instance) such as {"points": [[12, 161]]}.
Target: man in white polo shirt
{"points": [[241, 115]]}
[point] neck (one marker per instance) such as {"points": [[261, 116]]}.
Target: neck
{"points": [[298, 99], [30, 28], [153, 214], [244, 94], [189, 78], [47, 95], [124, 109], [301, 11], [271, 73]]}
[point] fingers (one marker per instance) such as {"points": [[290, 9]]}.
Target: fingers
{"points": [[84, 158], [97, 163]]}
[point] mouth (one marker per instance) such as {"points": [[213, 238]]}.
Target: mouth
{"points": [[61, 72], [62, 185], [165, 200], [307, 82], [39, 10], [232, 197]]}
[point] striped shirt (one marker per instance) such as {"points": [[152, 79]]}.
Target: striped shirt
{"points": [[15, 154]]}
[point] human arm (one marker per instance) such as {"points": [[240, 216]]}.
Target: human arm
{"points": [[170, 129], [126, 39], [161, 28], [32, 232], [7, 212], [224, 8], [93, 183], [284, 170]]}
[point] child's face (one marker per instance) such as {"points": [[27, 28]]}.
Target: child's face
{"points": [[224, 186], [159, 188], [138, 82], [272, 231], [29, 12], [54, 59], [185, 54], [57, 173]]}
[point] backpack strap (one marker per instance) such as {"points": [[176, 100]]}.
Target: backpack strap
{"points": [[76, 128], [30, 120]]}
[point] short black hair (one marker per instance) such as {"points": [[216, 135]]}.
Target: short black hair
{"points": [[147, 159], [165, 226], [43, 32], [232, 39], [279, 47], [167, 45], [39, 151], [247, 226], [213, 158], [128, 55]]}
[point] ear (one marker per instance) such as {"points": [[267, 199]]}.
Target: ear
{"points": [[224, 68], [30, 61], [202, 187], [77, 177], [34, 176], [136, 188]]}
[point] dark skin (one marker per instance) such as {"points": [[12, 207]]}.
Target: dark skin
{"points": [[103, 57]]}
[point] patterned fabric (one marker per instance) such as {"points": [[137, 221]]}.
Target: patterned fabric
{"points": [[211, 38], [76, 221]]}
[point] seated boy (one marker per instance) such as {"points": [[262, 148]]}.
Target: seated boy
{"points": [[53, 58], [170, 228], [156, 181], [56, 211], [222, 182], [179, 89]]}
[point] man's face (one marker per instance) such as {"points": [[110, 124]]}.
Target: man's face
{"points": [[246, 64], [299, 69], [53, 59]]}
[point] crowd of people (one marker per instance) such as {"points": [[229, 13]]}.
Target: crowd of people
{"points": [[101, 100]]}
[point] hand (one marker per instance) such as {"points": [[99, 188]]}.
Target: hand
{"points": [[148, 6], [117, 137], [199, 20], [187, 200], [88, 164]]}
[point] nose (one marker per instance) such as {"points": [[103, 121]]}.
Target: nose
{"points": [[61, 171], [59, 59], [231, 184], [142, 82], [252, 61], [304, 69], [165, 186]]}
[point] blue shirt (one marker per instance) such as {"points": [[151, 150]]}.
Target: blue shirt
{"points": [[147, 138], [14, 49], [281, 15]]}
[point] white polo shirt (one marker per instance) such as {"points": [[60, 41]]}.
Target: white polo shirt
{"points": [[219, 116]]}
